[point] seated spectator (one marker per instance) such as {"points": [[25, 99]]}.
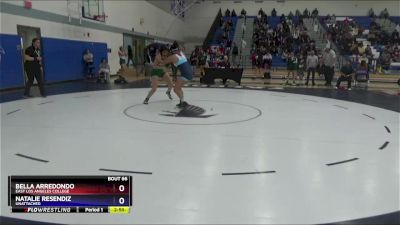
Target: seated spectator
{"points": [[104, 71], [396, 54], [225, 63], [384, 60], [362, 72], [88, 59], [368, 51], [346, 72], [396, 36], [361, 48], [362, 57]]}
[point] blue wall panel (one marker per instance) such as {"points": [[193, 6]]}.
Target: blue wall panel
{"points": [[63, 59], [11, 70]]}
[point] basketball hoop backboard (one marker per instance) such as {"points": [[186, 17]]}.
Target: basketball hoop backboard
{"points": [[94, 9]]}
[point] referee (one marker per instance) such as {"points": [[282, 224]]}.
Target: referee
{"points": [[33, 68]]}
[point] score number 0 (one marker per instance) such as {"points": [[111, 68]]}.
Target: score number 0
{"points": [[121, 200]]}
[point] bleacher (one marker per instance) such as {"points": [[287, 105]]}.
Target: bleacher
{"points": [[218, 33], [274, 21], [278, 62], [363, 21], [395, 19]]}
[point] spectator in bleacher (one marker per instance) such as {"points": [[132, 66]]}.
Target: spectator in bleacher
{"points": [[316, 26], [385, 13], [362, 57], [311, 65], [202, 60], [315, 13], [253, 60], [243, 13], [225, 63], [396, 36], [227, 13], [371, 13], [88, 59], [259, 62], [360, 48], [193, 60], [329, 58], [368, 51], [346, 73], [260, 12], [396, 54], [384, 59], [273, 12], [267, 61], [306, 13], [282, 18], [233, 13]]}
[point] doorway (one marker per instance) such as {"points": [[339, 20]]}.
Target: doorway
{"points": [[129, 41], [27, 34]]}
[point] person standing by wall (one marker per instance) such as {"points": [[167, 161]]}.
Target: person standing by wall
{"points": [[122, 58], [329, 58], [89, 67], [130, 56], [33, 68], [235, 53], [312, 63]]}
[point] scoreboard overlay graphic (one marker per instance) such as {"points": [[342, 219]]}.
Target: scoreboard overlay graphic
{"points": [[70, 194]]}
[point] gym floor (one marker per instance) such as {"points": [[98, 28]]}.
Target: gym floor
{"points": [[256, 153]]}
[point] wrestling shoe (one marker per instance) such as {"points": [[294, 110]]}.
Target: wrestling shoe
{"points": [[168, 93]]}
